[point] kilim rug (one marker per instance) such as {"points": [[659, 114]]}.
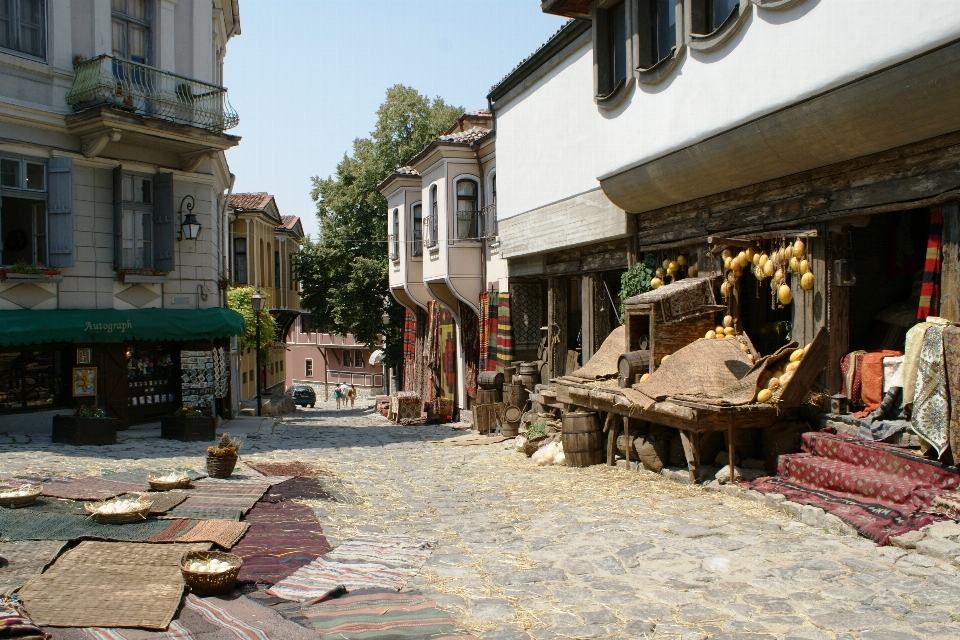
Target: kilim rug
{"points": [[376, 614], [221, 618], [308, 488], [139, 476], [14, 622], [368, 562], [128, 585], [21, 560], [947, 505], [224, 533], [202, 513], [296, 468], [213, 493], [282, 538], [881, 490], [90, 488]]}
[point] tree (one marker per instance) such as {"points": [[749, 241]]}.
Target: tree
{"points": [[344, 270], [238, 299]]}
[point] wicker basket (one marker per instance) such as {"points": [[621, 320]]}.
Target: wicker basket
{"points": [[221, 466], [20, 501], [210, 584], [530, 446], [157, 485], [118, 518]]}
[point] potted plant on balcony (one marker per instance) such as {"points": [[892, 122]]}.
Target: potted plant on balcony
{"points": [[142, 275], [188, 424], [224, 282], [87, 425], [24, 271]]}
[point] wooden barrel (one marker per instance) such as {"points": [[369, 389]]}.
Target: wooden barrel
{"points": [[490, 380], [510, 427], [488, 396], [509, 372], [632, 363], [582, 439], [515, 394], [529, 374]]}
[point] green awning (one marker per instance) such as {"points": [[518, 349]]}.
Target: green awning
{"points": [[111, 325]]}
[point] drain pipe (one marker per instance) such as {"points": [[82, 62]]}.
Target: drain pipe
{"points": [[228, 236], [482, 232]]}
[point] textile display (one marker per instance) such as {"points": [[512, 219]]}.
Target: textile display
{"points": [[447, 341], [470, 347], [409, 335], [421, 369], [948, 504], [879, 489], [870, 369], [851, 384], [219, 618], [15, 623], [136, 585], [911, 359], [223, 533], [365, 562], [892, 373], [283, 537], [484, 331], [376, 614], [90, 488], [931, 405], [504, 331], [23, 560], [951, 357], [215, 493], [306, 488], [139, 476], [493, 323], [203, 513], [294, 469], [930, 289]]}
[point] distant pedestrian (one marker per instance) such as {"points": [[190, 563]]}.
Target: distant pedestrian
{"points": [[352, 394], [344, 391], [337, 395]]}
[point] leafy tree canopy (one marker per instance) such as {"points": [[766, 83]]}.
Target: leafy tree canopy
{"points": [[238, 299], [344, 270]]}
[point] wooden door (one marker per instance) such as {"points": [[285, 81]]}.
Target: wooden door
{"points": [[113, 381]]}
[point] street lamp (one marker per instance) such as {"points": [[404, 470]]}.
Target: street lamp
{"points": [[385, 319], [189, 225], [257, 300]]}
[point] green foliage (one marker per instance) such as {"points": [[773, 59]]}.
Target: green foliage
{"points": [[344, 270], [634, 281], [238, 299]]}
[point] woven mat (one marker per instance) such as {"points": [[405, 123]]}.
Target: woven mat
{"points": [[163, 501], [465, 441], [58, 505], [139, 476], [364, 562], [224, 533], [24, 559], [201, 513], [296, 468], [282, 538], [307, 488], [220, 618], [123, 585], [23, 524], [216, 495], [373, 614], [603, 364], [90, 488]]}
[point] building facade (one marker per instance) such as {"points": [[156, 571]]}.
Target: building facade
{"points": [[113, 129], [322, 360]]}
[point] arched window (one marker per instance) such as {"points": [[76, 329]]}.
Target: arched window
{"points": [[416, 226], [433, 230], [395, 237], [467, 209], [612, 39], [709, 15], [658, 31]]}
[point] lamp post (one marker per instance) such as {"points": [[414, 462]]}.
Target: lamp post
{"points": [[385, 319], [257, 300]]}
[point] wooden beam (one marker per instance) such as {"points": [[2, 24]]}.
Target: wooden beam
{"points": [[950, 269]]}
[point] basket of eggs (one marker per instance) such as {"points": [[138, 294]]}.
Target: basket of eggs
{"points": [[168, 481], [119, 511], [210, 573], [18, 496]]}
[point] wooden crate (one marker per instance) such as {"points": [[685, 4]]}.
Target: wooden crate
{"points": [[486, 416]]}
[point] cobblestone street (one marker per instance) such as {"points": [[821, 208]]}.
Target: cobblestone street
{"points": [[557, 552]]}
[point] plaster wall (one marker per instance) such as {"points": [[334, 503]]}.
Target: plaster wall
{"points": [[775, 59]]}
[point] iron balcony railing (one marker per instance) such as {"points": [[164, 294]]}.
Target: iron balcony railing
{"points": [[393, 242], [137, 88], [416, 248], [432, 225], [476, 225], [488, 221]]}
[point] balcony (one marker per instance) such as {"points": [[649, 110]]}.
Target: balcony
{"points": [[432, 226], [137, 88]]}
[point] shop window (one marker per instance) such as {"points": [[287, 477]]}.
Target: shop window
{"points": [[30, 379], [308, 367], [709, 15], [151, 380], [23, 27], [416, 213], [467, 209], [240, 260], [612, 39], [658, 31], [131, 30]]}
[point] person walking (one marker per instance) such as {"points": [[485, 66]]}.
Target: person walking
{"points": [[337, 395], [352, 394], [344, 390]]}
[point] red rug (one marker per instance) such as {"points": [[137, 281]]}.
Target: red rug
{"points": [[881, 490], [283, 537]]}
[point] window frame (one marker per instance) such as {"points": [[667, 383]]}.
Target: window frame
{"points": [[416, 230], [44, 36], [37, 197], [240, 276], [277, 280], [433, 227], [657, 70], [609, 91], [395, 235], [308, 367], [720, 35], [139, 209], [127, 20], [475, 220]]}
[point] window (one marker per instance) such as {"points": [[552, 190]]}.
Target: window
{"points": [[708, 15], [347, 358], [433, 230], [23, 27], [131, 30], [612, 39], [358, 359], [240, 260], [276, 270], [291, 259], [467, 199], [22, 174], [416, 213], [137, 223], [281, 365], [395, 238], [658, 31], [244, 377], [23, 210], [308, 367]]}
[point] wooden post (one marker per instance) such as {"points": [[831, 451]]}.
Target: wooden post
{"points": [[950, 267], [323, 354], [732, 451], [838, 322], [611, 432], [626, 441], [691, 450]]}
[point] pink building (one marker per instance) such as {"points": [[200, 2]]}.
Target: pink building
{"points": [[323, 360]]}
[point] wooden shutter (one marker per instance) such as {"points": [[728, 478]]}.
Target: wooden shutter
{"points": [[164, 223], [60, 210], [118, 217]]}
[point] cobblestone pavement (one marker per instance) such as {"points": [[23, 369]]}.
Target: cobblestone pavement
{"points": [[557, 552]]}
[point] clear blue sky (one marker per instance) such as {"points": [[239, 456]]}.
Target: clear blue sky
{"points": [[307, 76]]}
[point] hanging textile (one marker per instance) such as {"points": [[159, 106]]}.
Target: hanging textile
{"points": [[504, 331], [447, 342], [484, 328], [930, 289], [470, 346], [931, 404], [951, 356], [493, 321], [421, 366], [409, 335]]}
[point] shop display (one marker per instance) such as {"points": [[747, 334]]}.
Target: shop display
{"points": [[221, 373], [198, 378], [150, 377], [29, 379]]}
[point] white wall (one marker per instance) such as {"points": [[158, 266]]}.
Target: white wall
{"points": [[553, 141]]}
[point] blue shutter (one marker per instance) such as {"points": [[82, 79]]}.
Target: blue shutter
{"points": [[164, 223], [60, 212]]}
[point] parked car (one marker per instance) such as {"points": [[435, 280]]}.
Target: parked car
{"points": [[303, 395]]}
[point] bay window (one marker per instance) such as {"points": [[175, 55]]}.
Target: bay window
{"points": [[467, 209], [416, 213]]}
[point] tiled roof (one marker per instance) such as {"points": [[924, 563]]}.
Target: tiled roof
{"points": [[479, 113], [538, 50], [250, 201], [288, 222], [466, 137], [406, 171]]}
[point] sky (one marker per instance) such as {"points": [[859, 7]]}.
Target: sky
{"points": [[307, 76]]}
